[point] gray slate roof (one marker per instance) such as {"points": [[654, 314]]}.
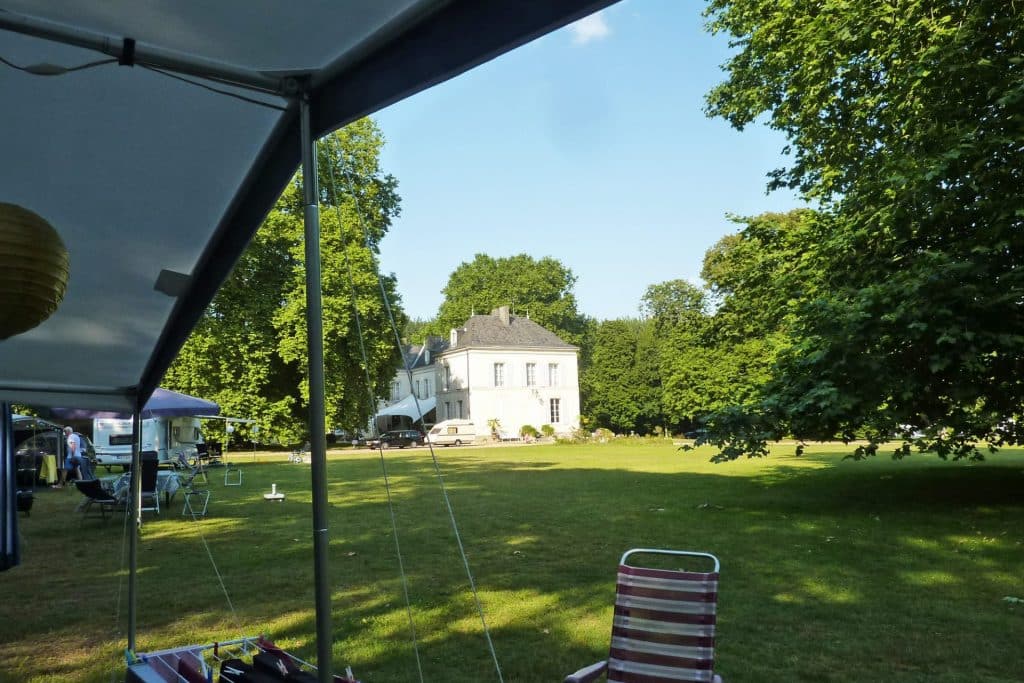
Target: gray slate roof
{"points": [[491, 330], [414, 356]]}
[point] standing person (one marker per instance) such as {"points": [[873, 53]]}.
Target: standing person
{"points": [[72, 456]]}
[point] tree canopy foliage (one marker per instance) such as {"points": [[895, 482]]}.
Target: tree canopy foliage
{"points": [[541, 288], [717, 345], [620, 387], [905, 122], [248, 352]]}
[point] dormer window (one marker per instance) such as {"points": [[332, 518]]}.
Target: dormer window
{"points": [[455, 338]]}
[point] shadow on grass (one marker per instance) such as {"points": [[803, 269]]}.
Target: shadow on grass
{"points": [[832, 571]]}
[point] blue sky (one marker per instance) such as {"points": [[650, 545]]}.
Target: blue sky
{"points": [[589, 145]]}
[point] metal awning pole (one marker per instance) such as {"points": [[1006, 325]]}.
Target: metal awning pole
{"points": [[135, 509], [317, 428], [150, 55]]}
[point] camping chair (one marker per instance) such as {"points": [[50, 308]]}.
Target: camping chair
{"points": [[194, 496], [150, 467], [96, 495], [85, 468], [664, 624], [25, 481], [191, 462], [208, 454], [190, 470], [301, 454]]}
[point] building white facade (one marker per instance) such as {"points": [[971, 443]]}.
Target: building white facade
{"points": [[496, 366], [423, 384]]}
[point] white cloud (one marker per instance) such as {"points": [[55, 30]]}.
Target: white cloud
{"points": [[589, 28]]}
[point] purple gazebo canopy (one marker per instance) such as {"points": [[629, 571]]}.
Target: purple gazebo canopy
{"points": [[163, 403]]}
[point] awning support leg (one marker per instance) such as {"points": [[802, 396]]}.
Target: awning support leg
{"points": [[317, 427]]}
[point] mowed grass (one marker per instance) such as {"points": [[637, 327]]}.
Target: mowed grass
{"points": [[832, 570]]}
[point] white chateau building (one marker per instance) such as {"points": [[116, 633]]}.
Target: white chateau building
{"points": [[498, 366]]}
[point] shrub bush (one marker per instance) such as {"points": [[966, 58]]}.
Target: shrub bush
{"points": [[575, 436], [528, 431], [547, 430]]}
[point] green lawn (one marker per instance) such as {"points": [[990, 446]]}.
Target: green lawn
{"points": [[832, 570]]}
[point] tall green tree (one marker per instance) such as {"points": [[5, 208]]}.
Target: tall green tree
{"points": [[674, 305], [717, 345], [541, 288], [677, 312], [650, 415], [248, 352], [416, 330], [905, 123], [703, 365], [620, 387]]}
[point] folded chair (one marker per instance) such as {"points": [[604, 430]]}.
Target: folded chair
{"points": [[96, 495], [664, 624]]}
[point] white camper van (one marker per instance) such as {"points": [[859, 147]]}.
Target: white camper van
{"points": [[452, 433], [112, 438]]}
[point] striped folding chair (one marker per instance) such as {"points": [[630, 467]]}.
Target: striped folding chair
{"points": [[664, 625]]}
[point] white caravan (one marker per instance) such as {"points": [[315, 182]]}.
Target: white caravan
{"points": [[112, 438], [452, 433]]}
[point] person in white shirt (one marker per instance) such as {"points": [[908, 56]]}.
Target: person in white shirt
{"points": [[73, 456]]}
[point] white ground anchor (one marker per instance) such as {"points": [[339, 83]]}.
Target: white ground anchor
{"points": [[273, 495]]}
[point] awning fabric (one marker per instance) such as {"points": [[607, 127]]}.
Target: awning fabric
{"points": [[407, 406], [31, 422], [156, 185]]}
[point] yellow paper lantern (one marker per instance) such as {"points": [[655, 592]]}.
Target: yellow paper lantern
{"points": [[34, 269]]}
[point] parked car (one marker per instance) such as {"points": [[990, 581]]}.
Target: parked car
{"points": [[401, 438]]}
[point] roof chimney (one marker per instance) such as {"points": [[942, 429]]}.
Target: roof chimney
{"points": [[502, 312]]}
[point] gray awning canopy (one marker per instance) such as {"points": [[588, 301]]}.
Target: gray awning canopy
{"points": [[156, 185], [410, 407]]}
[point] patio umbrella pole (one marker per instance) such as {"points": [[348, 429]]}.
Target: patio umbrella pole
{"points": [[317, 429], [133, 536]]}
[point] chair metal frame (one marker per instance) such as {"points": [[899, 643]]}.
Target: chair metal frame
{"points": [[189, 491], [663, 551], [228, 469], [188, 509]]}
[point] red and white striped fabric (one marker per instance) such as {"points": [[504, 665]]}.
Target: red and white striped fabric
{"points": [[664, 626]]}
